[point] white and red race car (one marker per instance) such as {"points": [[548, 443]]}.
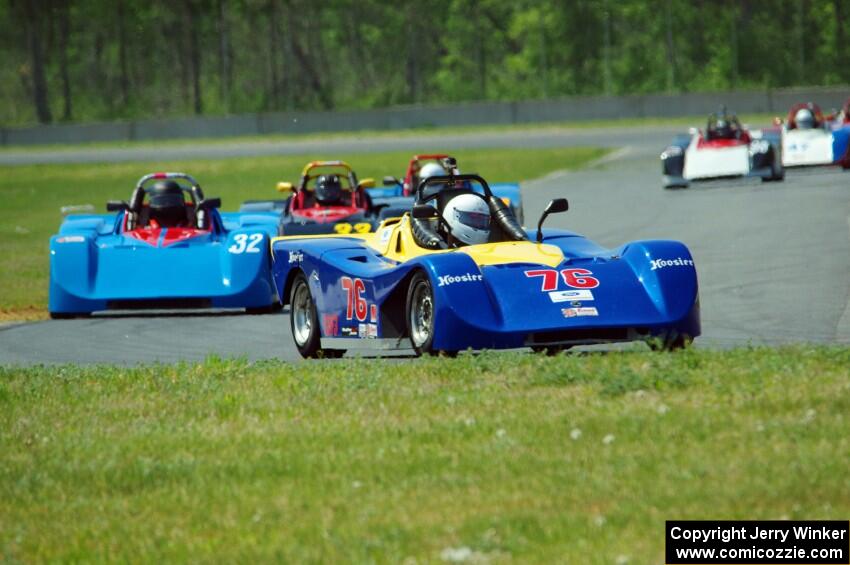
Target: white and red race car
{"points": [[808, 138], [724, 149]]}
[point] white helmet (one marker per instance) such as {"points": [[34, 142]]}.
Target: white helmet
{"points": [[431, 170], [468, 218], [804, 118]]}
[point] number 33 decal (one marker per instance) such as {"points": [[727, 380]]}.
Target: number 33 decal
{"points": [[246, 243]]}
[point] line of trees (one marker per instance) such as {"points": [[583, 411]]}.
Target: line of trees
{"points": [[82, 60]]}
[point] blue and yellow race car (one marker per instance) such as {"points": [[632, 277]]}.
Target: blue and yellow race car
{"points": [[167, 247], [413, 284]]}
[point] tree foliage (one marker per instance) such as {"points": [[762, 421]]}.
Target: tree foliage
{"points": [[122, 59]]}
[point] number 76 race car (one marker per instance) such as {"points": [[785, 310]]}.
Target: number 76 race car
{"points": [[161, 250], [415, 284]]}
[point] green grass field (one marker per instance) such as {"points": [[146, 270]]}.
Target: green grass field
{"points": [[492, 457], [32, 196], [753, 120]]}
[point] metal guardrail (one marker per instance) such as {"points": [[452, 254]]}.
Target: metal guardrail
{"points": [[400, 117]]}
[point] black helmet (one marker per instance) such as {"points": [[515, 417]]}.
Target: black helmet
{"points": [[328, 189], [165, 200], [723, 128]]}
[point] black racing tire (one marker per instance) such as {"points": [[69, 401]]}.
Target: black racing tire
{"points": [[670, 342], [68, 315], [270, 309], [778, 174], [550, 350], [303, 320], [419, 314]]}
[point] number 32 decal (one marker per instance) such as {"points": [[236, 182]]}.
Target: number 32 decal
{"points": [[246, 243]]}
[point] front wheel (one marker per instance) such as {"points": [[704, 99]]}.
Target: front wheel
{"points": [[304, 322], [68, 315], [420, 314], [670, 342], [550, 350]]}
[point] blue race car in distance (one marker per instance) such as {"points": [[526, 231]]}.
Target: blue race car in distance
{"points": [[162, 251], [405, 286]]}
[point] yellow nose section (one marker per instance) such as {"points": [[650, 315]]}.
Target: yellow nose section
{"points": [[515, 252]]}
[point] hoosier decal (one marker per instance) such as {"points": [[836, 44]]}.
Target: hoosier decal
{"points": [[677, 262]]}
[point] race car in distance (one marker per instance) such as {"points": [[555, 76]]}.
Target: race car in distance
{"points": [[458, 272], [724, 149], [422, 166], [808, 138], [327, 199], [161, 250], [837, 118]]}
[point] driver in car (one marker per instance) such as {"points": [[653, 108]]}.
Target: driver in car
{"points": [[166, 205], [724, 127], [328, 190], [466, 220], [805, 119]]}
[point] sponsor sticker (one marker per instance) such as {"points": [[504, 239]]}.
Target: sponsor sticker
{"points": [[348, 331], [677, 262], [446, 280], [385, 234], [570, 295], [372, 331], [71, 239], [295, 257], [577, 312], [363, 330], [330, 323], [373, 312]]}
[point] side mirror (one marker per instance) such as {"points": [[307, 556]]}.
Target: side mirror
{"points": [[210, 203], [424, 212], [117, 206], [366, 183], [285, 187], [555, 206], [391, 181]]}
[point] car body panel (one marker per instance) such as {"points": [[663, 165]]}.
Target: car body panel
{"points": [[819, 146], [720, 158]]}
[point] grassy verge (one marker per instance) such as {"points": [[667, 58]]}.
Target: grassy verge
{"points": [[32, 196], [495, 457], [754, 120]]}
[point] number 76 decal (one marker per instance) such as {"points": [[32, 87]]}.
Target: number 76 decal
{"points": [[574, 278]]}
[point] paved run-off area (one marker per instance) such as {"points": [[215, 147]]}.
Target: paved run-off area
{"points": [[773, 258]]}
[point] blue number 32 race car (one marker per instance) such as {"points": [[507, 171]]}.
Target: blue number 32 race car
{"points": [[405, 287], [161, 250]]}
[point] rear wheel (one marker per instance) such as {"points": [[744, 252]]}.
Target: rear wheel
{"points": [[304, 322], [420, 315]]}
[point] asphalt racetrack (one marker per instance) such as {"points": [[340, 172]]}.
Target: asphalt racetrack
{"points": [[773, 258]]}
